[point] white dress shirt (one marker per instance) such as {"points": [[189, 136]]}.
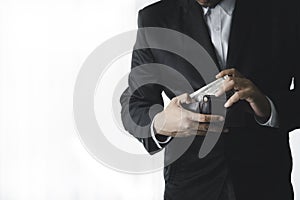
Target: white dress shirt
{"points": [[218, 20]]}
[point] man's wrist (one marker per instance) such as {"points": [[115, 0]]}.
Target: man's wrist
{"points": [[273, 120], [262, 107], [158, 138]]}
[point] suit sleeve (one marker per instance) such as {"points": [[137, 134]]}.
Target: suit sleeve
{"points": [[141, 102], [287, 102], [287, 105]]}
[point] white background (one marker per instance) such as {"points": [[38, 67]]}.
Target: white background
{"points": [[42, 46]]}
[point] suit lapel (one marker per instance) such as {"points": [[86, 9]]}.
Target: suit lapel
{"points": [[194, 26], [240, 28]]}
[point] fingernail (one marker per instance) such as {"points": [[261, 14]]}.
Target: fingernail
{"points": [[218, 94], [226, 105], [221, 118]]}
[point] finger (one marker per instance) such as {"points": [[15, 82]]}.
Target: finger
{"points": [[190, 133], [230, 72], [204, 133], [212, 127], [226, 86], [240, 95], [184, 98], [181, 134], [178, 134], [232, 83], [193, 125], [201, 133], [176, 101], [202, 117]]}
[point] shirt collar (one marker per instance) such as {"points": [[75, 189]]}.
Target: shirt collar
{"points": [[227, 5]]}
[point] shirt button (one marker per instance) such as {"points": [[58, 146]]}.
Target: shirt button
{"points": [[217, 29]]}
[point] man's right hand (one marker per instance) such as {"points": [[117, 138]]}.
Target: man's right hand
{"points": [[176, 121]]}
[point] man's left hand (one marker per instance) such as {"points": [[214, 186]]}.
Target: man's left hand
{"points": [[244, 89]]}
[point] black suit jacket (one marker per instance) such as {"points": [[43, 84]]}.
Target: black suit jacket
{"points": [[263, 46]]}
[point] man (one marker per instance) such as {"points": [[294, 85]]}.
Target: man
{"points": [[256, 44]]}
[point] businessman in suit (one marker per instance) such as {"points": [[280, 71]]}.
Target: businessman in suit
{"points": [[256, 44]]}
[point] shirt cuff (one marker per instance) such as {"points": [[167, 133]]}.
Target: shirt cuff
{"points": [[273, 120], [156, 141]]}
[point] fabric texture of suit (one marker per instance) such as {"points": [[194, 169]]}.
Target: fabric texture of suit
{"points": [[263, 46]]}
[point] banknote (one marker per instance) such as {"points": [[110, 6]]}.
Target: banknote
{"points": [[209, 89]]}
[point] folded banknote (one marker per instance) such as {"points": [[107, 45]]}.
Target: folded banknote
{"points": [[210, 89]]}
